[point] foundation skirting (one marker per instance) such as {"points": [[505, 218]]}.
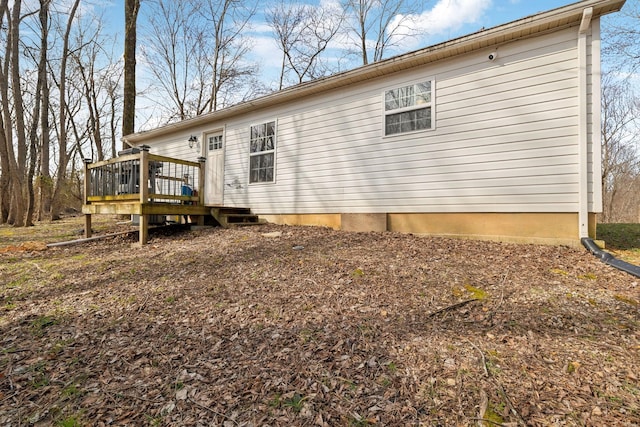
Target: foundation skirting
{"points": [[543, 228]]}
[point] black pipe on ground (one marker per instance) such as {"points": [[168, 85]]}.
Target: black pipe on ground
{"points": [[609, 259]]}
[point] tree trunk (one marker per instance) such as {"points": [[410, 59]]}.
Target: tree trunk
{"points": [[90, 95], [113, 120], [6, 158], [44, 180], [33, 134], [18, 208], [5, 182], [131, 8], [62, 143]]}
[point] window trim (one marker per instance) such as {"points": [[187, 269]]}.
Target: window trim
{"points": [[431, 104], [259, 153]]}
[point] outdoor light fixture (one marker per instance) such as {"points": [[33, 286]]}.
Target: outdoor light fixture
{"points": [[192, 140]]}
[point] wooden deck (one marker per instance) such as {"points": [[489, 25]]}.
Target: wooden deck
{"points": [[173, 187]]}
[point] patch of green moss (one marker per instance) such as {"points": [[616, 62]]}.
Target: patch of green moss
{"points": [[627, 300], [476, 293]]}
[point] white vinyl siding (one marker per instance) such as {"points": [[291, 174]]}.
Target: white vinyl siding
{"points": [[176, 147], [505, 141]]}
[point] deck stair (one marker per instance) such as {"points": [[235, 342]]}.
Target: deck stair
{"points": [[232, 217]]}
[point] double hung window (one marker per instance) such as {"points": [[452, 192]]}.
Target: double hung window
{"points": [[408, 108], [262, 152]]}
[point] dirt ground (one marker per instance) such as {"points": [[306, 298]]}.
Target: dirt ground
{"points": [[305, 326]]}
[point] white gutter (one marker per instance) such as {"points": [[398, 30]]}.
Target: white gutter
{"points": [[583, 138]]}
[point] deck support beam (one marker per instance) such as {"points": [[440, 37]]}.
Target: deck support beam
{"points": [[87, 191], [144, 229], [144, 193], [87, 226]]}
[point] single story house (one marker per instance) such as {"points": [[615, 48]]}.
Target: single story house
{"points": [[494, 135]]}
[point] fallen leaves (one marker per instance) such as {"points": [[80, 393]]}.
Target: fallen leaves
{"points": [[29, 246], [236, 328]]}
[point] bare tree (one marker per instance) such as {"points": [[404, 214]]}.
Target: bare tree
{"points": [[374, 26], [197, 49], [7, 161], [38, 119], [45, 187], [21, 105], [13, 116], [621, 115], [620, 162], [303, 34], [99, 85], [174, 52], [229, 19], [620, 36], [115, 98], [287, 22], [58, 99], [63, 158]]}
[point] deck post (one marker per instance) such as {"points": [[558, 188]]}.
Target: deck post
{"points": [[201, 161], [144, 193], [201, 177], [87, 191], [144, 229], [87, 226]]}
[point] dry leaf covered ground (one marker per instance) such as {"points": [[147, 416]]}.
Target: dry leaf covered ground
{"points": [[273, 325]]}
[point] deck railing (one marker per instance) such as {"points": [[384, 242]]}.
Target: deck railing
{"points": [[167, 180]]}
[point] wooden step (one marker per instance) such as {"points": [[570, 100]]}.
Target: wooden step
{"points": [[230, 217]]}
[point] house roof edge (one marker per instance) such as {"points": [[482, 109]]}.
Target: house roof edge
{"points": [[526, 27]]}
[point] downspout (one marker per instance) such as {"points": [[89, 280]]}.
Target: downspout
{"points": [[583, 135], [596, 117], [587, 242], [609, 259]]}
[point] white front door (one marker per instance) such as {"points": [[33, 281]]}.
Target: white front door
{"points": [[214, 173]]}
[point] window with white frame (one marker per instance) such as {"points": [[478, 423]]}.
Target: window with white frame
{"points": [[215, 142], [408, 108], [262, 152]]}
